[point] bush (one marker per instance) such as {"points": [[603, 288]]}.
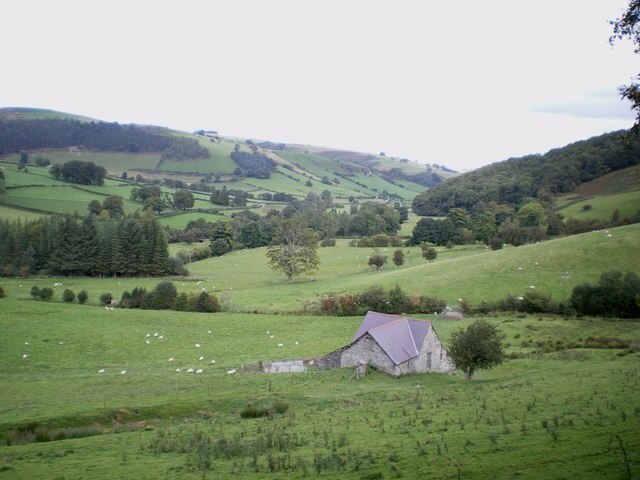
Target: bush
{"points": [[137, 298], [328, 242], [68, 295], [182, 302], [106, 298], [495, 243], [398, 258], [374, 298], [46, 293], [82, 297], [164, 295], [377, 260], [204, 303], [35, 291]]}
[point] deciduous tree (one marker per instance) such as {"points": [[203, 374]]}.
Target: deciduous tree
{"points": [[294, 249], [479, 347]]}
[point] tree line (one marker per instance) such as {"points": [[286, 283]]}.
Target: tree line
{"points": [[129, 245], [247, 229], [19, 135], [516, 181]]}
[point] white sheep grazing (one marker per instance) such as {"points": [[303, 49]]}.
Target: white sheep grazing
{"points": [[270, 336], [213, 362], [190, 370], [199, 370], [156, 334], [201, 358], [123, 372], [178, 370], [171, 359], [208, 331], [25, 356], [101, 370], [297, 343], [197, 345], [148, 335], [231, 372], [281, 344], [161, 337], [26, 343], [60, 343], [147, 342]]}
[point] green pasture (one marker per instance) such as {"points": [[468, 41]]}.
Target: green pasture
{"points": [[180, 221], [602, 207], [61, 199], [549, 412], [114, 162], [9, 213]]}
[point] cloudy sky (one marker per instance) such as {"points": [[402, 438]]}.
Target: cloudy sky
{"points": [[462, 83]]}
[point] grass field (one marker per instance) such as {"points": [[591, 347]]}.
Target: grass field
{"points": [[542, 415], [603, 206], [549, 411]]}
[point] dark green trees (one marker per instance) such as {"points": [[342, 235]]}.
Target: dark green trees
{"points": [[67, 245]]}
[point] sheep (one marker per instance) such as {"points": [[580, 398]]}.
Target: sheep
{"points": [[190, 370], [281, 344], [26, 343], [297, 343], [161, 337], [197, 345], [171, 359], [201, 358], [270, 336], [60, 343], [147, 342], [178, 370], [533, 287], [231, 372], [148, 335], [25, 356], [156, 334], [123, 372], [213, 362], [101, 370], [209, 331], [199, 370]]}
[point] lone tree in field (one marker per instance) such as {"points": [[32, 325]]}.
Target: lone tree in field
{"points": [[429, 253], [479, 347], [398, 258], [377, 260], [294, 249]]}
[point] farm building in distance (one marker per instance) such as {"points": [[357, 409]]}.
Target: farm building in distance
{"points": [[392, 344]]}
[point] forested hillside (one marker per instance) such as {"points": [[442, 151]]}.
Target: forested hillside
{"points": [[517, 181], [18, 135]]}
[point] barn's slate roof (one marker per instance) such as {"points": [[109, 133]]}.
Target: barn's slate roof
{"points": [[399, 337]]}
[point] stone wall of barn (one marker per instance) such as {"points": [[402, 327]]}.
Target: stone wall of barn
{"points": [[367, 351], [433, 357]]}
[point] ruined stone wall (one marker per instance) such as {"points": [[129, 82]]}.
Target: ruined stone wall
{"points": [[367, 351], [330, 360]]}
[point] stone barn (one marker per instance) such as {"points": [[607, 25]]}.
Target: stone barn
{"points": [[393, 344]]}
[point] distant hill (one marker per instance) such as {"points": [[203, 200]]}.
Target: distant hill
{"points": [[519, 180], [205, 157]]}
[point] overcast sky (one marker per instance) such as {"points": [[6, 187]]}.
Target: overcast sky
{"points": [[462, 83]]}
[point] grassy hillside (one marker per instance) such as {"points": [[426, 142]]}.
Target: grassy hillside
{"points": [[296, 164], [598, 199]]}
